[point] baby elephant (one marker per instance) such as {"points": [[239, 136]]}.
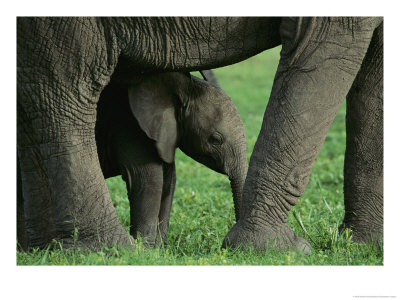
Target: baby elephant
{"points": [[139, 127]]}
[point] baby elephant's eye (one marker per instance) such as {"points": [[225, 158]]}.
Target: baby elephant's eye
{"points": [[215, 139]]}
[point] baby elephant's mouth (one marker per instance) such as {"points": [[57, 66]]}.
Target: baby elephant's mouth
{"points": [[209, 162]]}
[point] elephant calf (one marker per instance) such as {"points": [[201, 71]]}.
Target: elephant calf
{"points": [[139, 127]]}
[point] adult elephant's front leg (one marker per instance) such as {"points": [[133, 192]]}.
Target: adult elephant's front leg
{"points": [[363, 164], [319, 61]]}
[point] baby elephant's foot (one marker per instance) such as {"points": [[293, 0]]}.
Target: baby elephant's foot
{"points": [[162, 234], [146, 234], [362, 233], [262, 238], [151, 235]]}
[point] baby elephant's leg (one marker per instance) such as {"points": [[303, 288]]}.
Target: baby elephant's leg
{"points": [[144, 185], [142, 171], [166, 202]]}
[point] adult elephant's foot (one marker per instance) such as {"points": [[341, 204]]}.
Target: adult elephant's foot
{"points": [[110, 237], [261, 238], [121, 239]]}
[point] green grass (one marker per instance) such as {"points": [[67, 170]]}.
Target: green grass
{"points": [[203, 213]]}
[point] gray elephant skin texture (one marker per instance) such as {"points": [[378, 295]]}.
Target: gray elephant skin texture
{"points": [[138, 128], [63, 64]]}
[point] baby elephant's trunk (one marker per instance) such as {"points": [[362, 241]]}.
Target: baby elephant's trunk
{"points": [[237, 179]]}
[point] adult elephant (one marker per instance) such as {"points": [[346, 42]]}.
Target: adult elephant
{"points": [[64, 64]]}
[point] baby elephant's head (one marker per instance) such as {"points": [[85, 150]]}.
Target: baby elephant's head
{"points": [[179, 110]]}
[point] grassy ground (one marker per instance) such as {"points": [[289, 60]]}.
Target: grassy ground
{"points": [[203, 213]]}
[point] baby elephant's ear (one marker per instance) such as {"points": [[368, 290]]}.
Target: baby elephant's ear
{"points": [[152, 105]]}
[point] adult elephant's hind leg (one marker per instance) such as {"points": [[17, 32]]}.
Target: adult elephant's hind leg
{"points": [[63, 65], [35, 220], [83, 210], [22, 240], [61, 175], [363, 169]]}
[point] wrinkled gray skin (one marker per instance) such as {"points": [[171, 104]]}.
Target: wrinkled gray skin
{"points": [[65, 63], [139, 127]]}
